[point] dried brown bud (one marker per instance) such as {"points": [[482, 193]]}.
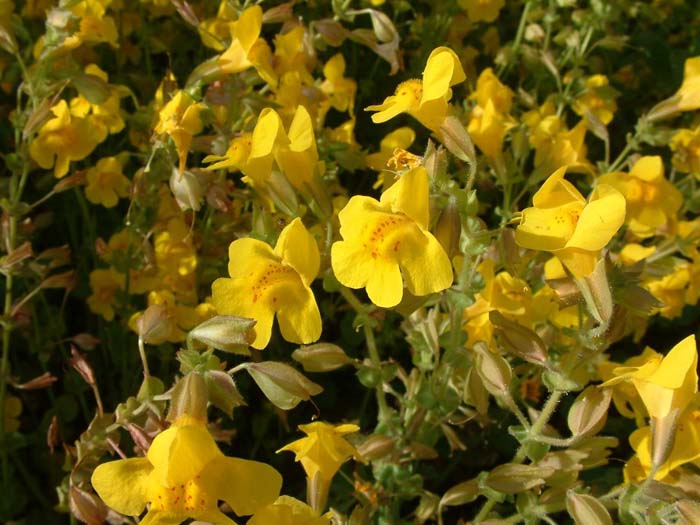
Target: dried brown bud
{"points": [[45, 380], [78, 362]]}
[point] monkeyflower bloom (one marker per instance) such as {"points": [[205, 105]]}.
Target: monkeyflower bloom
{"points": [[180, 119], [339, 89], [598, 98], [387, 242], [687, 98], [324, 449], [652, 201], [265, 282], [426, 100], [490, 89], [105, 283], [685, 145], [288, 511], [62, 139], [106, 183], [665, 384], [488, 128], [563, 223], [106, 114], [482, 10], [185, 475], [247, 49], [686, 448]]}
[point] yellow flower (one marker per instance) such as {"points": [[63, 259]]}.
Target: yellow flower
{"points": [[666, 384], [387, 240], [339, 90], [562, 222], [478, 10], [624, 394], [671, 290], [106, 183], [105, 284], [686, 447], [185, 475], [214, 30], [265, 282], [177, 319], [236, 156], [288, 511], [401, 138], [107, 114], [247, 49], [555, 146], [511, 297], [324, 449], [689, 92], [489, 88], [488, 129], [176, 259], [652, 201], [598, 98], [685, 145], [426, 100], [13, 408], [62, 139], [181, 121]]}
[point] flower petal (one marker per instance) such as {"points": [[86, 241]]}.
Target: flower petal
{"points": [[351, 264], [599, 220], [245, 485], [297, 247], [426, 269], [410, 195], [300, 320], [179, 453], [384, 285], [122, 484], [556, 191], [159, 517]]}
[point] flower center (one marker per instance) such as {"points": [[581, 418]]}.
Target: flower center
{"points": [[384, 235], [273, 275], [181, 499], [409, 92]]}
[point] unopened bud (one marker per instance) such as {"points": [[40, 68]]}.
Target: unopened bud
{"points": [[92, 87], [493, 370], [141, 439], [282, 384], [376, 446], [518, 340], [689, 512], [567, 292], [449, 228], [186, 189], [586, 510], [331, 31], [456, 139], [189, 398], [85, 341], [78, 362], [589, 411], [512, 478], [53, 434], [60, 280], [461, 494], [223, 392], [596, 292], [152, 325], [16, 256], [45, 380], [427, 507], [663, 434], [66, 183], [87, 507], [225, 332], [321, 357]]}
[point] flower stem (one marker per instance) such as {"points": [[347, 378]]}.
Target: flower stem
{"points": [[537, 427]]}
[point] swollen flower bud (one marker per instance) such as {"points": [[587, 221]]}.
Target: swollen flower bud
{"points": [[494, 371], [189, 398]]}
